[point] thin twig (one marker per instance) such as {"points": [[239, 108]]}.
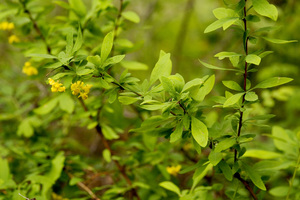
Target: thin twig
{"points": [[117, 26], [35, 25], [245, 81], [107, 146], [247, 186]]}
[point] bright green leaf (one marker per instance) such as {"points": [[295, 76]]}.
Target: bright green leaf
{"points": [[215, 67], [261, 154], [251, 96], [233, 85], [233, 100], [127, 100], [224, 54], [106, 155], [199, 132], [78, 42], [131, 16], [47, 107], [107, 46], [170, 186], [25, 128], [278, 41], [228, 21], [163, 67], [215, 157], [263, 8], [253, 59], [273, 82], [225, 144], [109, 133]]}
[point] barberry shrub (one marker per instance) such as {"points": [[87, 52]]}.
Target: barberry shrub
{"points": [[79, 125]]}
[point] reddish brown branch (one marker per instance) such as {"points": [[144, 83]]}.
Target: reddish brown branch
{"points": [[107, 146], [247, 186], [35, 26]]}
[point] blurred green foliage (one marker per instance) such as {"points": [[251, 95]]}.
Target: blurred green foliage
{"points": [[49, 147]]}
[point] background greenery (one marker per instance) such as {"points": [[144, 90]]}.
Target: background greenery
{"points": [[57, 154]]}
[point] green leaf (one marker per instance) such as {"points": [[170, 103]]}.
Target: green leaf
{"points": [[221, 13], [170, 186], [47, 107], [78, 7], [53, 65], [69, 45], [224, 22], [192, 83], [134, 65], [176, 135], [199, 132], [225, 144], [131, 16], [224, 54], [263, 8], [84, 71], [261, 154], [25, 128], [251, 96], [281, 138], [215, 157], [278, 41], [225, 168], [215, 67], [66, 103], [205, 89], [253, 59], [127, 100], [75, 180], [254, 176], [168, 85], [107, 46], [200, 173], [233, 85], [108, 132], [273, 82], [163, 67], [57, 165], [78, 42], [41, 56], [5, 171], [106, 155], [233, 100], [96, 60], [113, 60], [280, 191]]}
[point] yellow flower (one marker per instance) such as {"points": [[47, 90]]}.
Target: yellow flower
{"points": [[13, 39], [56, 86], [173, 170], [81, 89], [7, 26], [29, 70]]}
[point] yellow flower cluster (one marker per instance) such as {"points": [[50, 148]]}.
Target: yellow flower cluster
{"points": [[7, 26], [81, 89], [29, 70], [13, 39], [56, 86], [173, 170]]}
